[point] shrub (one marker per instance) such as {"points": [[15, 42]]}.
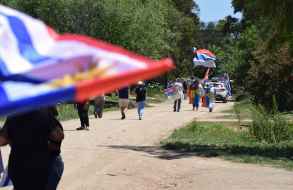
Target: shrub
{"points": [[269, 126]]}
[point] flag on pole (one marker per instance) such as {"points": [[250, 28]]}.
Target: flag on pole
{"points": [[39, 67], [205, 58]]}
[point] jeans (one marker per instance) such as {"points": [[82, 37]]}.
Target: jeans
{"points": [[99, 107], [196, 101], [140, 108], [177, 105], [56, 168]]}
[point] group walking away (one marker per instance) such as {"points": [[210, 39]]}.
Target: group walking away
{"points": [[35, 138], [83, 109], [199, 93], [140, 97], [99, 103]]}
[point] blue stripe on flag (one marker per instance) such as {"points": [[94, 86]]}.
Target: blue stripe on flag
{"points": [[24, 40], [21, 78], [30, 103]]}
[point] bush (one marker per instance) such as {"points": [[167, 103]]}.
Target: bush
{"points": [[269, 126]]}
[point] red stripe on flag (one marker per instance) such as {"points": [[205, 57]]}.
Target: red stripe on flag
{"points": [[91, 88]]}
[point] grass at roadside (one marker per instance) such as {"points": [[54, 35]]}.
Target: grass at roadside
{"points": [[217, 140], [67, 111]]}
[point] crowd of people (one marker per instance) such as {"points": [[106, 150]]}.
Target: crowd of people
{"points": [[99, 102], [199, 92]]}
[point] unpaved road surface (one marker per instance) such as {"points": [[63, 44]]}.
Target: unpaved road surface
{"points": [[125, 155]]}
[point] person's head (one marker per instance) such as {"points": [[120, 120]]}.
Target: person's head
{"points": [[140, 83]]}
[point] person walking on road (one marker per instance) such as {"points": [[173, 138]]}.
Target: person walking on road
{"points": [[179, 96], [210, 97], [99, 106], [123, 95], [140, 92], [197, 93], [185, 89], [82, 109]]}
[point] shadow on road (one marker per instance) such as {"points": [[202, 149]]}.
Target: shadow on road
{"points": [[181, 150], [155, 151]]}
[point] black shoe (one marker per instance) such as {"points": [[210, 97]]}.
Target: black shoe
{"points": [[100, 115], [123, 116], [80, 128], [95, 114]]}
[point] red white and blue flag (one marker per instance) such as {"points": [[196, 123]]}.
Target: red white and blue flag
{"points": [[204, 57], [39, 67]]}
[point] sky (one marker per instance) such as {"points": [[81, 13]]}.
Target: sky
{"points": [[213, 10]]}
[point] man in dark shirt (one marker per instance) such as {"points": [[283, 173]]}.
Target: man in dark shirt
{"points": [[83, 109], [28, 135], [123, 94], [140, 92]]}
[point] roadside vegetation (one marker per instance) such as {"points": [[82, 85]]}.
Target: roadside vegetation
{"points": [[218, 140], [259, 135]]}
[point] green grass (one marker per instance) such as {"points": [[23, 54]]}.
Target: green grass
{"points": [[67, 111], [217, 140], [156, 95]]}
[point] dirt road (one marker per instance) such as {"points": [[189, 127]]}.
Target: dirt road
{"points": [[125, 155]]}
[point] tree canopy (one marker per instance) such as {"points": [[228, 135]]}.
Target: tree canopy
{"points": [[149, 27], [257, 50]]}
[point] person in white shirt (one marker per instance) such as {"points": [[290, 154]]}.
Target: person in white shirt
{"points": [[179, 95]]}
